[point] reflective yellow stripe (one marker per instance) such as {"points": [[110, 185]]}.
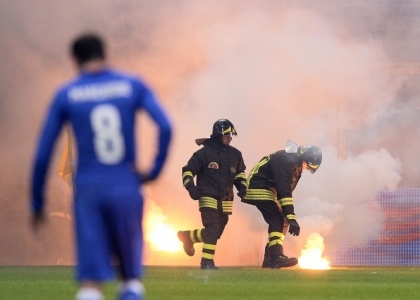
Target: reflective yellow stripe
{"points": [[291, 217], [275, 238], [275, 242], [209, 246], [207, 255], [240, 175], [187, 173], [286, 201], [227, 206], [244, 184], [257, 167], [186, 181], [187, 176], [280, 235], [192, 236], [260, 194], [207, 202], [200, 239]]}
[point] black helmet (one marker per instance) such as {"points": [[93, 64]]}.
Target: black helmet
{"points": [[312, 156], [223, 127]]}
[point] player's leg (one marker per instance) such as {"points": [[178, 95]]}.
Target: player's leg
{"points": [[131, 290], [93, 267], [125, 216], [90, 291]]}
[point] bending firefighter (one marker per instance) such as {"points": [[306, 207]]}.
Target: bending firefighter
{"points": [[270, 186], [217, 166]]}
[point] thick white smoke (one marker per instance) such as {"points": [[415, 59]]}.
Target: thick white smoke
{"points": [[333, 201], [307, 71], [291, 76]]}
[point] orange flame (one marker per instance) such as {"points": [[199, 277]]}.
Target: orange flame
{"points": [[158, 233], [311, 255]]}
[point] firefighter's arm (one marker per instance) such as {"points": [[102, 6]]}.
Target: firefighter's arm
{"points": [[287, 207], [240, 184], [240, 179], [188, 173], [283, 176]]}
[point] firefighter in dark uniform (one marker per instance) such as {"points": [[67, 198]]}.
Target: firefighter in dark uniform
{"points": [[270, 186], [217, 166]]}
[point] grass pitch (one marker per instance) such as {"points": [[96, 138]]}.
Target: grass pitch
{"points": [[33, 283]]}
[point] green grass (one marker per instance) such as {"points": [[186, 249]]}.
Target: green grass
{"points": [[33, 283]]}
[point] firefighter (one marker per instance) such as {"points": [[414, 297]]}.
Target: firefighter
{"points": [[270, 186], [217, 166]]}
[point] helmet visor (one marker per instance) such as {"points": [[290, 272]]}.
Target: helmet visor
{"points": [[312, 168], [229, 131]]}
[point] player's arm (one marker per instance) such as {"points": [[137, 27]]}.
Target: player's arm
{"points": [[49, 133], [152, 107]]}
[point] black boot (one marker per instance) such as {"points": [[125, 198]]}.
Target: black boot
{"points": [[278, 262], [267, 258], [274, 258], [208, 264], [266, 263], [282, 252]]}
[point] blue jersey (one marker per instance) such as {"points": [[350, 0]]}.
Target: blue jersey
{"points": [[101, 108]]}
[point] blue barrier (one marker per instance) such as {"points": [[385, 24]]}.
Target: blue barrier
{"points": [[399, 241]]}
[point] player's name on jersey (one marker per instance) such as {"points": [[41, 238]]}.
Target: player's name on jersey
{"points": [[100, 92]]}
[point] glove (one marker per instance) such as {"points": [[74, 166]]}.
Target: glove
{"points": [[294, 228], [193, 191], [242, 194]]}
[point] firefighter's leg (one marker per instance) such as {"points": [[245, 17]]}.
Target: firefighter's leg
{"points": [[268, 210], [223, 220], [277, 257], [274, 256], [267, 257], [188, 238], [210, 234]]}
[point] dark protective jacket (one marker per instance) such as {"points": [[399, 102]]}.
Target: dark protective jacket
{"points": [[218, 167], [274, 178]]}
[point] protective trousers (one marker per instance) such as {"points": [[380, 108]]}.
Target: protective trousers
{"points": [[214, 222], [277, 228]]}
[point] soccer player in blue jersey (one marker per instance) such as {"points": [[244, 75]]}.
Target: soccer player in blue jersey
{"points": [[101, 104]]}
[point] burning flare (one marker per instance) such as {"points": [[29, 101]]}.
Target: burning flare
{"points": [[158, 233], [311, 255]]}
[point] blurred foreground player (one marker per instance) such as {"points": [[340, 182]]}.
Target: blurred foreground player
{"points": [[270, 186], [101, 105]]}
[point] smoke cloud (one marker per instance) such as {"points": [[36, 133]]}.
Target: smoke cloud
{"points": [[337, 76]]}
